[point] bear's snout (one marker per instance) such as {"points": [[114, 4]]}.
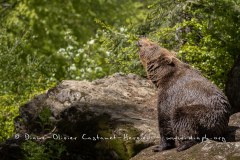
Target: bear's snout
{"points": [[139, 44]]}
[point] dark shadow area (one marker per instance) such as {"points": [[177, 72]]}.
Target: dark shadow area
{"points": [[231, 136], [98, 136], [85, 135]]}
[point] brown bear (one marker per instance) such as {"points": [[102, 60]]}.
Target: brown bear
{"points": [[190, 107]]}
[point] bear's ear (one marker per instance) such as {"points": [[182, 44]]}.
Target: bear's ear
{"points": [[165, 60], [161, 61]]}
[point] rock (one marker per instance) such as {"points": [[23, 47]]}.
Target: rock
{"points": [[208, 149], [205, 150], [109, 118], [234, 128]]}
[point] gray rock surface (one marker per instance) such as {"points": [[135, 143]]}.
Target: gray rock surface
{"points": [[121, 107], [203, 151], [229, 150], [118, 111], [129, 99]]}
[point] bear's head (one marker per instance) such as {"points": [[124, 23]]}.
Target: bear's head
{"points": [[147, 50], [150, 51]]}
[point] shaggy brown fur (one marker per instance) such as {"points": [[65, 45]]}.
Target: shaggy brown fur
{"points": [[190, 107]]}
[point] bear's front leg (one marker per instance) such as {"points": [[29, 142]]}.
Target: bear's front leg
{"points": [[167, 138]]}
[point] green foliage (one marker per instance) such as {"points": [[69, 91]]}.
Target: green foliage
{"points": [[21, 75], [44, 117], [102, 55], [86, 62], [120, 46], [49, 150], [125, 148], [50, 21], [203, 32], [7, 115]]}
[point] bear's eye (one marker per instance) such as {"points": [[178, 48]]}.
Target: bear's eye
{"points": [[154, 48]]}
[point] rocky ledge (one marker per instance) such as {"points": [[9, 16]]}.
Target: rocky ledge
{"points": [[110, 118]]}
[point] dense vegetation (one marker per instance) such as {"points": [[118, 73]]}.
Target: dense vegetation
{"points": [[43, 42]]}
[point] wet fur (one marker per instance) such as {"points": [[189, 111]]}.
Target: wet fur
{"points": [[189, 105]]}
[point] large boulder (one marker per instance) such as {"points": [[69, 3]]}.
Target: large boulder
{"points": [[109, 118]]}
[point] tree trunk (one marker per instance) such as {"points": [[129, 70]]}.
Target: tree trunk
{"points": [[233, 86]]}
